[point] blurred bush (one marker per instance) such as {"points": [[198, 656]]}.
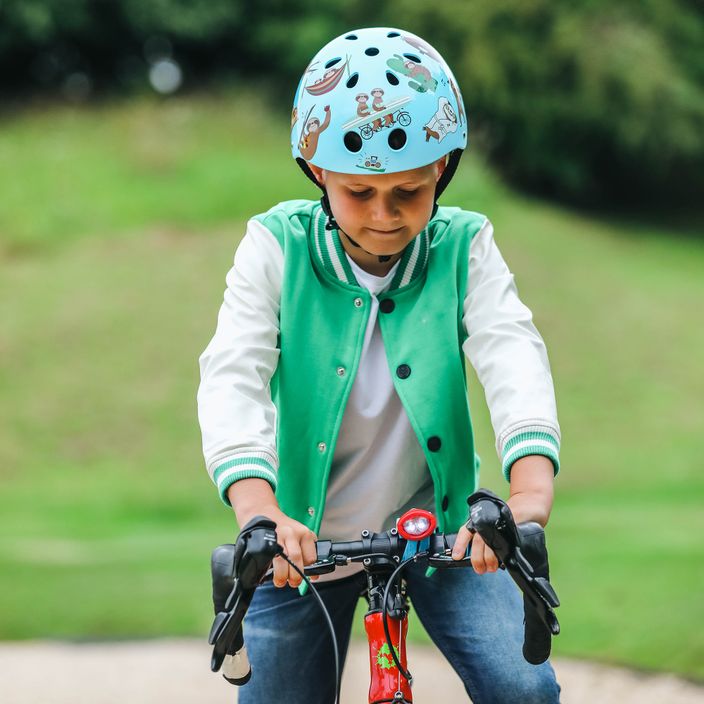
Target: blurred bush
{"points": [[113, 43], [592, 102]]}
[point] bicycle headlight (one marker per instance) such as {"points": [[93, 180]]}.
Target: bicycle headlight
{"points": [[416, 524]]}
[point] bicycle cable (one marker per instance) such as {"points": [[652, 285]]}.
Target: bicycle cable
{"points": [[406, 674], [384, 612], [329, 622]]}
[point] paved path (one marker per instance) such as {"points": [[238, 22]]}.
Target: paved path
{"points": [[176, 671]]}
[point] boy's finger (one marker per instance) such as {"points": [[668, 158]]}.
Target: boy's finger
{"points": [[294, 554], [280, 576], [310, 554], [293, 551], [464, 538], [490, 559], [280, 571], [477, 556]]}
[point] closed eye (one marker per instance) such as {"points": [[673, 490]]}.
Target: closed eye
{"points": [[402, 192]]}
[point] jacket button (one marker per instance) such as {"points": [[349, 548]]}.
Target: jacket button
{"points": [[340, 371], [445, 502], [434, 443], [358, 302], [311, 511], [403, 371], [387, 305], [322, 447]]}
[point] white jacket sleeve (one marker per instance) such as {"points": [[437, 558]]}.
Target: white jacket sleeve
{"points": [[236, 414], [509, 356]]}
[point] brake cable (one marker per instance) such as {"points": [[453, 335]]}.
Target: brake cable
{"points": [[384, 611], [314, 591]]}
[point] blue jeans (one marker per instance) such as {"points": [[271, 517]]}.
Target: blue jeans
{"points": [[475, 620]]}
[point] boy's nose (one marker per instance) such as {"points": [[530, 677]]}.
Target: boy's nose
{"points": [[385, 213]]}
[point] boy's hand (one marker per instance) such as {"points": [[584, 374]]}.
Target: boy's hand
{"points": [[483, 557], [298, 543], [254, 497], [531, 500]]}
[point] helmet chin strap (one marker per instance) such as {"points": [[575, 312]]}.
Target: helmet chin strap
{"points": [[331, 224], [381, 257]]}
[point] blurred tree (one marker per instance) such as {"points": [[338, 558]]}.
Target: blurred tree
{"points": [[42, 42], [589, 101]]}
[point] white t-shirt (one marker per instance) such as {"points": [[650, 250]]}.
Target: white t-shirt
{"points": [[378, 469]]}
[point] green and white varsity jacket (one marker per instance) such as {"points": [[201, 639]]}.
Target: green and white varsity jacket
{"points": [[272, 394]]}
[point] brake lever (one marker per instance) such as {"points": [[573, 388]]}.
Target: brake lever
{"points": [[448, 562], [440, 552], [236, 571], [320, 567], [522, 550]]}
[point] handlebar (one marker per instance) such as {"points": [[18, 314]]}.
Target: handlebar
{"points": [[238, 569], [386, 548]]}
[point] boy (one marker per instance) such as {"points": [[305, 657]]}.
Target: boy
{"points": [[340, 351]]}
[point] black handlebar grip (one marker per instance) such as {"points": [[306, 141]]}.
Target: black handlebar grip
{"points": [[222, 570], [537, 640]]}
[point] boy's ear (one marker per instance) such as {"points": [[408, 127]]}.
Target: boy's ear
{"points": [[317, 172], [441, 163]]}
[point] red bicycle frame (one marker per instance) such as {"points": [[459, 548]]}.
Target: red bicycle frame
{"points": [[386, 680], [388, 684]]}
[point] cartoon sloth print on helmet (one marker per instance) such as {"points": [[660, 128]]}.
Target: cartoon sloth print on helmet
{"points": [[378, 91], [442, 123], [311, 134]]}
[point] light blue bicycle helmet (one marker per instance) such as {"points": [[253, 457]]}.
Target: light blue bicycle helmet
{"points": [[377, 100]]}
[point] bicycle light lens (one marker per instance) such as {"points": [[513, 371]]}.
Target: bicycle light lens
{"points": [[416, 524]]}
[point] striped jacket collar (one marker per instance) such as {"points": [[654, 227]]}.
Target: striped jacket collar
{"points": [[331, 254]]}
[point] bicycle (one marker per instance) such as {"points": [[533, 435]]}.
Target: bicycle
{"points": [[237, 569]]}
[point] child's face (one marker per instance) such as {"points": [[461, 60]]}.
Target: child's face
{"points": [[382, 212]]}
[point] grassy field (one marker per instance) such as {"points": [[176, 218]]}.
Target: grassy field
{"points": [[117, 226]]}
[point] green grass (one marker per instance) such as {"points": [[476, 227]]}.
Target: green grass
{"points": [[117, 226]]}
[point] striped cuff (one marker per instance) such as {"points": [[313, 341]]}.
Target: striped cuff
{"points": [[530, 441], [258, 466]]}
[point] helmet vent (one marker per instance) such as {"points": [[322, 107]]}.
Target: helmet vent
{"points": [[353, 141], [332, 62], [397, 139], [371, 51], [391, 78], [351, 36], [352, 80], [412, 57], [393, 34]]}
